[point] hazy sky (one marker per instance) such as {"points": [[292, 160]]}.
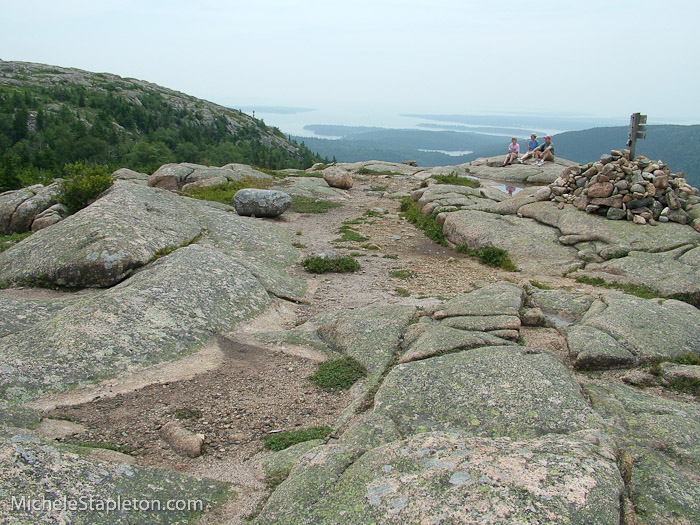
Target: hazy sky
{"points": [[601, 58]]}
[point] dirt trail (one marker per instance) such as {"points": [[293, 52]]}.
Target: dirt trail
{"points": [[255, 390]]}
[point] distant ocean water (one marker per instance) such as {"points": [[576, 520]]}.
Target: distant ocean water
{"points": [[293, 121]]}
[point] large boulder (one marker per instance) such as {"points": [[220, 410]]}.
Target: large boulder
{"points": [[252, 202], [338, 178], [19, 208]]}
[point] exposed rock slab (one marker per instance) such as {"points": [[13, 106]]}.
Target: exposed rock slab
{"points": [[530, 245], [443, 477], [495, 299], [40, 471], [311, 187], [438, 339], [492, 168], [648, 328], [668, 273], [572, 222], [17, 314], [370, 335], [162, 313], [663, 439], [124, 230], [494, 392], [593, 349], [103, 243]]}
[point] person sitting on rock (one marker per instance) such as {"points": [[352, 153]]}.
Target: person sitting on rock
{"points": [[532, 145], [545, 151], [513, 151]]}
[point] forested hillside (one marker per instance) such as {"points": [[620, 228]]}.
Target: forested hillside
{"points": [[51, 116]]}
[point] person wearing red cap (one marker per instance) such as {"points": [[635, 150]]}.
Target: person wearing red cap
{"points": [[545, 151]]}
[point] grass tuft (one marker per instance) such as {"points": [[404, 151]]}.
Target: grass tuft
{"points": [[338, 374], [343, 264]]}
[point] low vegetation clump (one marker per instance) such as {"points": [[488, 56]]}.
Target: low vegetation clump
{"points": [[82, 185], [427, 223], [539, 285], [642, 291], [402, 292], [224, 192], [349, 235], [342, 264], [122, 449], [338, 374], [368, 171], [302, 204], [456, 180], [187, 413], [490, 255], [283, 440], [683, 384], [7, 241]]}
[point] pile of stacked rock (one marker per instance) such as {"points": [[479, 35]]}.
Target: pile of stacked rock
{"points": [[616, 187]]}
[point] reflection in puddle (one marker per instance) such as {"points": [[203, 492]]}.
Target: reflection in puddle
{"points": [[558, 321], [510, 190]]}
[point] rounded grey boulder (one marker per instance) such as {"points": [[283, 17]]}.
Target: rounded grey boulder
{"points": [[261, 203]]}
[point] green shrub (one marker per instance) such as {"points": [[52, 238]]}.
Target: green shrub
{"points": [[489, 255], [343, 264], [82, 184], [283, 440], [495, 257], [338, 374], [402, 292]]}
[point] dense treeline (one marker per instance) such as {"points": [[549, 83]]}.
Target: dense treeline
{"points": [[43, 128]]}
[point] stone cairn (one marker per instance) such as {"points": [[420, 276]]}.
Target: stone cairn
{"points": [[616, 187]]}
